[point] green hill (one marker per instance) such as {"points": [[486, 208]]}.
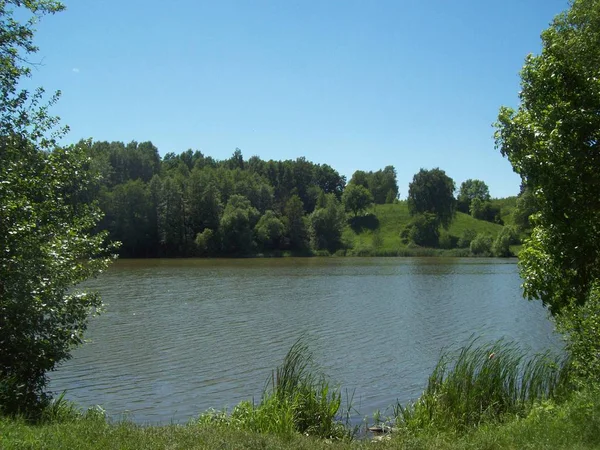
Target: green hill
{"points": [[377, 233]]}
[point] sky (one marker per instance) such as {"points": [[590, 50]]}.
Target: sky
{"points": [[353, 84]]}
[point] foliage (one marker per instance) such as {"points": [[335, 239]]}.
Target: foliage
{"points": [[432, 191], [469, 191], [382, 184], [207, 242], [466, 238], [356, 198], [551, 424], [237, 224], [485, 383], [46, 229], [269, 230], [298, 399], [326, 225], [481, 245], [580, 326], [552, 141], [295, 223], [507, 237], [525, 208], [424, 230], [447, 241]]}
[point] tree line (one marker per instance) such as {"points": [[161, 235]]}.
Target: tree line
{"points": [[193, 205]]}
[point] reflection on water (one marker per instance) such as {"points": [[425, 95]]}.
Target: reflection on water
{"points": [[181, 336]]}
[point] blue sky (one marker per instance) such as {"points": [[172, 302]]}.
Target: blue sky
{"points": [[352, 84]]}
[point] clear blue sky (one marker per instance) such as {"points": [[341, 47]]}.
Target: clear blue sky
{"points": [[353, 84]]}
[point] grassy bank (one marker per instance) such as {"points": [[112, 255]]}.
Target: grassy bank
{"points": [[573, 424], [487, 396]]}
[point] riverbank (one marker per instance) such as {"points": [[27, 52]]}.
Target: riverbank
{"points": [[574, 424]]}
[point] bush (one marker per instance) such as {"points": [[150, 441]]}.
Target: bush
{"points": [[206, 242], [580, 325], [466, 238], [424, 230], [481, 245], [447, 241]]}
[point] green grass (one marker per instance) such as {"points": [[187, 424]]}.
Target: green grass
{"points": [[483, 384], [378, 232], [485, 397], [297, 399], [573, 424]]}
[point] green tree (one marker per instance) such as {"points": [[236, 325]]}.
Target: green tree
{"points": [[470, 190], [525, 208], [432, 191], [326, 224], [237, 224], [424, 230], [481, 245], [130, 210], [295, 223], [47, 243], [269, 230], [356, 198], [552, 141]]}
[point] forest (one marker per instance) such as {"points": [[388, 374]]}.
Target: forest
{"points": [[190, 204]]}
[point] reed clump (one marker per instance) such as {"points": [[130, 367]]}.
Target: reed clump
{"points": [[482, 384], [297, 398]]}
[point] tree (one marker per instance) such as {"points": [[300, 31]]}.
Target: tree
{"points": [[269, 230], [524, 209], [424, 230], [47, 243], [356, 198], [481, 245], [326, 224], [470, 190], [553, 141], [432, 191], [295, 224], [237, 223]]}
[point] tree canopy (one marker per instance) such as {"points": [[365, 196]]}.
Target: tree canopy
{"points": [[469, 191], [432, 191], [47, 223], [553, 141]]}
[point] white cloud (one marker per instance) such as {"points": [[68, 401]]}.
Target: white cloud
{"points": [[76, 69]]}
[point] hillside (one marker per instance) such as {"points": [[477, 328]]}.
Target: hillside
{"points": [[378, 232]]}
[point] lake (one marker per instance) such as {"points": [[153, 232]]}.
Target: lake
{"points": [[181, 336]]}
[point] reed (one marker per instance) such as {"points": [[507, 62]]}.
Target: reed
{"points": [[297, 398], [483, 383]]}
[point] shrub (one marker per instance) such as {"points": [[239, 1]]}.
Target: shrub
{"points": [[424, 230], [466, 238], [481, 245]]}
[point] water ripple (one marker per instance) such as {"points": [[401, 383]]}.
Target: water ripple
{"points": [[182, 336]]}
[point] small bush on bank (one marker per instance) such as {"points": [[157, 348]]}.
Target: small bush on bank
{"points": [[481, 245]]}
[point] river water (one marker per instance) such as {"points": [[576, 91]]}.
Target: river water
{"points": [[181, 336]]}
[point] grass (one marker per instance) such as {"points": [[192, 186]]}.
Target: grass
{"points": [[483, 384], [484, 397], [297, 399], [573, 424], [377, 233]]}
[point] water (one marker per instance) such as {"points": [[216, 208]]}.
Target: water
{"points": [[181, 336]]}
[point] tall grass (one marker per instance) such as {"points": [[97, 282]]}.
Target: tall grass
{"points": [[485, 383], [297, 398]]}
